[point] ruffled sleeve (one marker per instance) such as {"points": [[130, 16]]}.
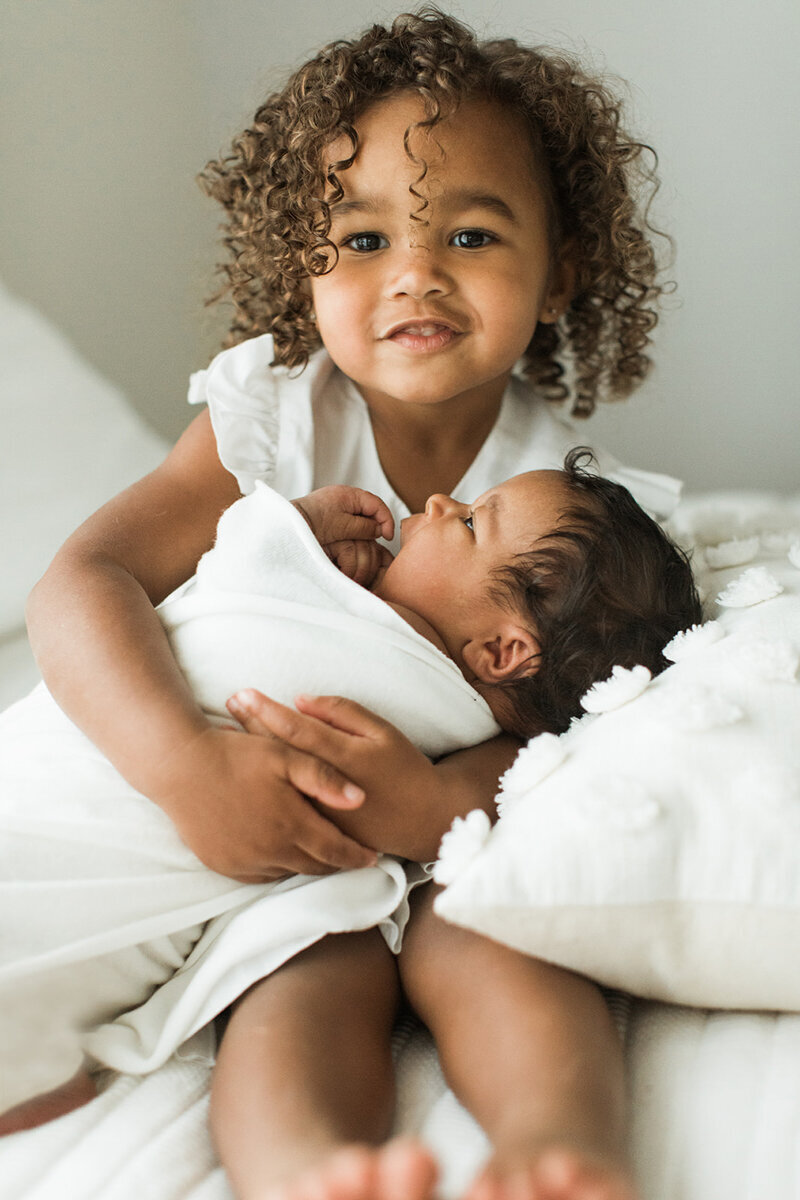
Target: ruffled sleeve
{"points": [[260, 415]]}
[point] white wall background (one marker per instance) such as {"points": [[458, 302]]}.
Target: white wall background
{"points": [[109, 109]]}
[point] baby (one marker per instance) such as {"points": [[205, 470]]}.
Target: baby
{"points": [[534, 592]]}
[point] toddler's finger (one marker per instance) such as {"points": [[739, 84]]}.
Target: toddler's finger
{"points": [[368, 558], [338, 713], [318, 779], [358, 560], [261, 715], [344, 555], [321, 841], [330, 732], [361, 571]]}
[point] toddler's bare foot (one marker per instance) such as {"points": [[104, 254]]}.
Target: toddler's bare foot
{"points": [[403, 1169], [554, 1173], [77, 1091]]}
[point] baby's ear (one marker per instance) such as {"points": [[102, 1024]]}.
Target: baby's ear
{"points": [[512, 651]]}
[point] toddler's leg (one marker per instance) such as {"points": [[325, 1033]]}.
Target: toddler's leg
{"points": [[531, 1051], [303, 1089], [76, 1092]]}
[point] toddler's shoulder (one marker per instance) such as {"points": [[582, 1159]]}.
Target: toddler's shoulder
{"points": [[537, 434], [244, 369]]}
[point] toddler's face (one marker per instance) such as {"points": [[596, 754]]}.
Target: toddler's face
{"points": [[430, 313], [449, 553]]}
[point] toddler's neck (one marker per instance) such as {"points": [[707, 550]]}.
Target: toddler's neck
{"points": [[427, 448]]}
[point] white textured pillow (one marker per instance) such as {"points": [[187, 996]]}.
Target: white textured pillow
{"points": [[655, 846], [69, 442]]}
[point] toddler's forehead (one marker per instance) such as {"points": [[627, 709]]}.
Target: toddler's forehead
{"points": [[402, 119]]}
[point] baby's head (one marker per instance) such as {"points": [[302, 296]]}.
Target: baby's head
{"points": [[542, 586], [290, 168]]}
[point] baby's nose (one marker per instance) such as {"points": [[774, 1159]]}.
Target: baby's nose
{"points": [[438, 505]]}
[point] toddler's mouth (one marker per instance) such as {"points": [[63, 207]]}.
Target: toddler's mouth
{"points": [[423, 335]]}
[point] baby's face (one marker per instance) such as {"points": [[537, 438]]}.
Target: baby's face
{"points": [[444, 570]]}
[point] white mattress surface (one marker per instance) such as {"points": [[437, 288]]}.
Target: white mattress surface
{"points": [[715, 1100], [18, 671]]}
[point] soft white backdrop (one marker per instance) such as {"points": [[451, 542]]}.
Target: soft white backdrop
{"points": [[110, 109]]}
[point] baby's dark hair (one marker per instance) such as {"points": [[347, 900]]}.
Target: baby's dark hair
{"points": [[606, 588], [274, 181]]}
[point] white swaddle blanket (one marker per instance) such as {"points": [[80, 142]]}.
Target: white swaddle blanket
{"points": [[267, 605], [101, 901]]}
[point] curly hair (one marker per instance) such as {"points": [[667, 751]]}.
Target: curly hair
{"points": [[606, 588], [273, 186]]}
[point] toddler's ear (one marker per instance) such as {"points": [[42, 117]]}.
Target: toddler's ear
{"points": [[512, 651], [563, 284]]}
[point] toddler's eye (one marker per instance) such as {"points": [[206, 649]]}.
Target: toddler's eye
{"points": [[363, 243], [469, 523], [471, 239]]}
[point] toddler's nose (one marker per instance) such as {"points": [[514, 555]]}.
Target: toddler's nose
{"points": [[418, 273]]}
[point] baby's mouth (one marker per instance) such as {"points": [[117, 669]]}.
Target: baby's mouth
{"points": [[407, 526]]}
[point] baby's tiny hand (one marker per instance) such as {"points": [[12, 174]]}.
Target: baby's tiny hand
{"points": [[340, 513], [346, 522], [361, 561]]}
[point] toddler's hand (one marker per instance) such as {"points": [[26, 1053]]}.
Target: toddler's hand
{"points": [[239, 802], [405, 812]]}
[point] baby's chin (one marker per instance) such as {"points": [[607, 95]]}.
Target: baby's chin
{"points": [[377, 583]]}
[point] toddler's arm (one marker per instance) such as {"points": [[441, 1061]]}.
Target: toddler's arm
{"points": [[102, 650]]}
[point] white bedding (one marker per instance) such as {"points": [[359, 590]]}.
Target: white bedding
{"points": [[715, 1101], [715, 1107]]}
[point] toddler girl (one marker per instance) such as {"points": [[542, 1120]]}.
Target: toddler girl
{"points": [[532, 593], [446, 236]]}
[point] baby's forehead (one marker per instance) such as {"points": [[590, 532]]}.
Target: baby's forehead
{"points": [[528, 484]]}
